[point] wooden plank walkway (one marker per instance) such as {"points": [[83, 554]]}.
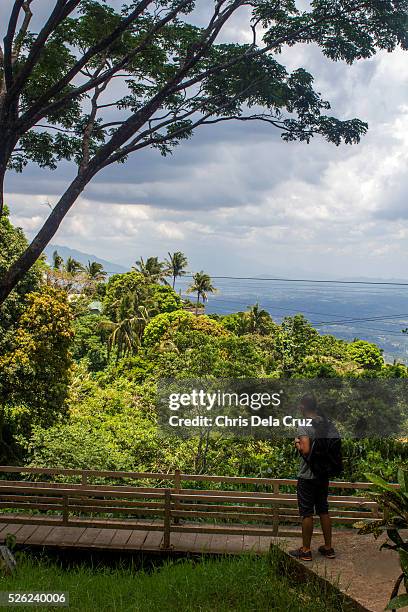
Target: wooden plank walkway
{"points": [[360, 569], [129, 540], [82, 512]]}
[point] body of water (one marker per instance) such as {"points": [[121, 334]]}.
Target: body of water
{"points": [[376, 313]]}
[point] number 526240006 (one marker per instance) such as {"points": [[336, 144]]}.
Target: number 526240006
{"points": [[33, 598]]}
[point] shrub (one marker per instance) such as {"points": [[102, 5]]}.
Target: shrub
{"points": [[166, 299], [366, 355], [180, 320]]}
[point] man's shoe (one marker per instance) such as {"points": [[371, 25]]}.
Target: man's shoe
{"points": [[327, 552], [302, 555]]}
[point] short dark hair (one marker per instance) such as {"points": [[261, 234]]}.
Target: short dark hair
{"points": [[309, 402]]}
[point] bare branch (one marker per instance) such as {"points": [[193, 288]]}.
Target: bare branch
{"points": [[261, 117], [140, 140], [254, 25], [62, 9], [8, 43], [3, 81], [110, 124], [23, 30], [110, 105], [86, 140], [53, 127]]}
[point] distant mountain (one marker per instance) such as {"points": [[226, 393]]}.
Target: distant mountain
{"points": [[83, 258], [330, 278], [376, 279]]}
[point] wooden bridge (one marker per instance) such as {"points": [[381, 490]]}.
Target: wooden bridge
{"points": [[159, 512]]}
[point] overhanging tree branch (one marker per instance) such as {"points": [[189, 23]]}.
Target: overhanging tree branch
{"points": [[131, 125], [96, 163], [103, 45], [42, 107], [24, 28], [62, 9], [8, 43]]}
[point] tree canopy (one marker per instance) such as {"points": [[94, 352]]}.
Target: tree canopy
{"points": [[95, 84]]}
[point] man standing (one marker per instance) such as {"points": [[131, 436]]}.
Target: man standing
{"points": [[319, 445]]}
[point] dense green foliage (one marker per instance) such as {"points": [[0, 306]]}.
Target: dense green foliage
{"points": [[232, 77], [79, 376], [90, 341], [367, 355], [35, 370], [13, 243], [165, 325]]}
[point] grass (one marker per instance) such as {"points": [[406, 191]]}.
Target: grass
{"points": [[240, 584]]}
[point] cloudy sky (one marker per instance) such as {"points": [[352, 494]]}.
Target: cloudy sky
{"points": [[238, 200]]}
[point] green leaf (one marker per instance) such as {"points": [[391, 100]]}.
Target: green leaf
{"points": [[398, 602], [394, 535], [403, 480], [403, 554], [379, 482]]}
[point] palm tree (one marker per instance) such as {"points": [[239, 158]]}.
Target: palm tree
{"points": [[57, 261], [133, 313], [202, 285], [258, 320], [124, 332], [95, 271], [73, 267], [176, 264], [152, 269]]}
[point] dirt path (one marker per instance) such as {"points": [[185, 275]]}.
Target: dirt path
{"points": [[360, 568]]}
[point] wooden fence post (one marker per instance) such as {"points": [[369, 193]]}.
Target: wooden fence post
{"points": [[177, 488], [275, 511], [84, 479], [167, 519], [65, 513]]}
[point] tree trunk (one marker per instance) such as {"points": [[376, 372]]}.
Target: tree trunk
{"points": [[3, 168], [21, 266], [2, 174], [8, 139]]}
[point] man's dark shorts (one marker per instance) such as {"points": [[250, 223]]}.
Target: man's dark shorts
{"points": [[312, 496]]}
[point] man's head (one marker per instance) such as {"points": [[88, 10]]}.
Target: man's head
{"points": [[308, 405]]}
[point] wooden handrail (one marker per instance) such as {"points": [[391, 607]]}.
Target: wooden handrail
{"points": [[84, 504], [176, 476]]}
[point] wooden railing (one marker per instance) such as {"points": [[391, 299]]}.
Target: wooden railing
{"points": [[171, 506]]}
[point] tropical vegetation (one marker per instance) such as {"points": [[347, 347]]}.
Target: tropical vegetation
{"points": [[81, 355], [393, 504]]}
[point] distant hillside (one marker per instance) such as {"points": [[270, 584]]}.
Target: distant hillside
{"points": [[83, 258], [310, 277]]}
